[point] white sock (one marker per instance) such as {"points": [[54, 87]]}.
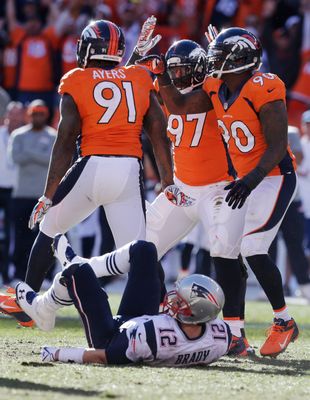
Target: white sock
{"points": [[235, 326], [56, 297], [282, 313], [71, 354], [114, 263]]}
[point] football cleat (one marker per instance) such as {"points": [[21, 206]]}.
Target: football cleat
{"points": [[64, 252], [250, 350], [48, 354], [29, 301], [9, 306], [240, 347], [279, 336], [237, 347]]}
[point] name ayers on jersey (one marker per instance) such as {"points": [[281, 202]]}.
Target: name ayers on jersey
{"points": [[112, 105]]}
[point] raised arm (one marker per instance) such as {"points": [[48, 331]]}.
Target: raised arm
{"points": [[155, 125], [145, 41], [11, 14], [194, 102]]}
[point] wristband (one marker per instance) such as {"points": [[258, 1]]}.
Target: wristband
{"points": [[164, 79], [254, 178]]}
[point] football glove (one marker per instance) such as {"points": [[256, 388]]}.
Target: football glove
{"points": [[40, 209], [154, 63], [145, 41], [211, 34], [239, 190], [238, 193], [177, 197]]}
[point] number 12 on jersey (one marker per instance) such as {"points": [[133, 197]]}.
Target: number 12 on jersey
{"points": [[113, 100]]}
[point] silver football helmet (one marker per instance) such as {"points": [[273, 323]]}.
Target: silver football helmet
{"points": [[196, 299]]}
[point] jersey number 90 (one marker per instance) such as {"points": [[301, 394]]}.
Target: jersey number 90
{"points": [[245, 142]]}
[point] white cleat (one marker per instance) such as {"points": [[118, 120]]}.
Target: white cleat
{"points": [[33, 305], [64, 252], [48, 354]]}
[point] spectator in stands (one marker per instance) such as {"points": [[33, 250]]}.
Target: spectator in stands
{"points": [[35, 72], [14, 118], [304, 174], [30, 148], [299, 95], [292, 229]]}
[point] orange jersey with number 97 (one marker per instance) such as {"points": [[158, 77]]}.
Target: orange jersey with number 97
{"points": [[238, 119], [112, 105], [199, 153]]}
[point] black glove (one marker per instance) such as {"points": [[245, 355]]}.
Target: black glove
{"points": [[239, 190]]}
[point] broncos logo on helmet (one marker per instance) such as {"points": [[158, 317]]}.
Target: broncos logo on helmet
{"points": [[234, 50], [101, 40]]}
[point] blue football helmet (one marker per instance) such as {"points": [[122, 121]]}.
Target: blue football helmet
{"points": [[234, 50], [100, 40], [186, 64]]}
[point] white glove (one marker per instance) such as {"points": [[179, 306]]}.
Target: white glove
{"points": [[177, 197], [40, 209], [145, 41]]}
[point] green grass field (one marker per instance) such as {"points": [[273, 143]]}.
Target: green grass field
{"points": [[23, 376]]}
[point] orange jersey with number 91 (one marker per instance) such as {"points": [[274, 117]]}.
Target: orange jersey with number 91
{"points": [[112, 105], [238, 119]]}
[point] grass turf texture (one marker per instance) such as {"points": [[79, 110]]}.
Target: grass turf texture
{"points": [[22, 374]]}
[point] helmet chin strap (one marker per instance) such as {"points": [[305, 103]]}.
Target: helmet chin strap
{"points": [[190, 88]]}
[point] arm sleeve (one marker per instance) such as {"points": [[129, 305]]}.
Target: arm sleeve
{"points": [[70, 83], [266, 90]]}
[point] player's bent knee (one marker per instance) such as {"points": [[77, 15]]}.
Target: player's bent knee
{"points": [[143, 250], [78, 271]]}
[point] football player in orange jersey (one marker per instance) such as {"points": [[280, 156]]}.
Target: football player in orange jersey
{"points": [[251, 112], [106, 106], [202, 169]]}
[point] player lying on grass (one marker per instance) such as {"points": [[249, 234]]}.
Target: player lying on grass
{"points": [[188, 332]]}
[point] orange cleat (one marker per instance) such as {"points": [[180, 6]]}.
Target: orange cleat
{"points": [[240, 347], [279, 336], [9, 306], [237, 347]]}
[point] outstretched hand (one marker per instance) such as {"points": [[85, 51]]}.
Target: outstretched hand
{"points": [[154, 63], [145, 41], [211, 34]]}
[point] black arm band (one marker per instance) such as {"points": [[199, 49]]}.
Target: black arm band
{"points": [[133, 58], [254, 178]]}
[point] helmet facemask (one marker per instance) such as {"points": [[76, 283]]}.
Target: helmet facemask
{"points": [[231, 58], [195, 300], [175, 306]]}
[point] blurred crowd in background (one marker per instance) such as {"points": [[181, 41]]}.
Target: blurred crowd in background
{"points": [[38, 45]]}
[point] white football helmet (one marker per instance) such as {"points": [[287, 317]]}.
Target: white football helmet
{"points": [[196, 299]]}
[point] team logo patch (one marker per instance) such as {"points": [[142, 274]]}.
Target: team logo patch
{"points": [[200, 291]]}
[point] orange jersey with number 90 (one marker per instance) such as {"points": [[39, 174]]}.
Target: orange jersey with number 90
{"points": [[112, 105], [238, 119]]}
